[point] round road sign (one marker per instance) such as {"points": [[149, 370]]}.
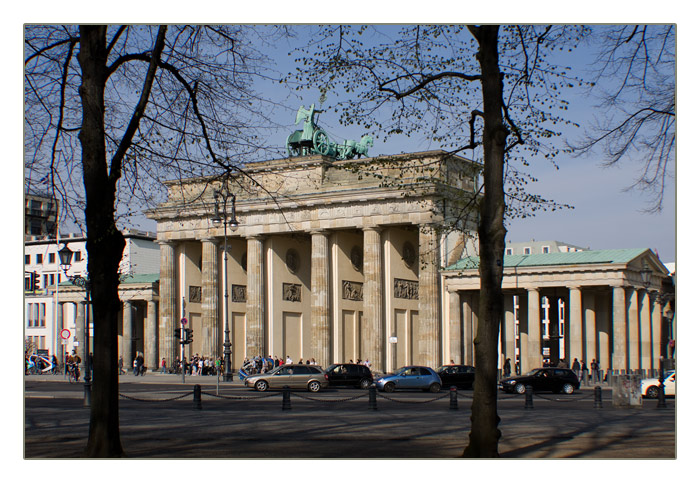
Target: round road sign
{"points": [[183, 321], [65, 334]]}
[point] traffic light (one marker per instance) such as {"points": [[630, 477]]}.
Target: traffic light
{"points": [[34, 281], [177, 334], [188, 336]]}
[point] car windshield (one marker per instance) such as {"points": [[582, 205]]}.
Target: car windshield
{"points": [[532, 372], [441, 368], [400, 370]]}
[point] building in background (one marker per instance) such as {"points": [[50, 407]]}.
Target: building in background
{"points": [[53, 303], [40, 215], [534, 247]]}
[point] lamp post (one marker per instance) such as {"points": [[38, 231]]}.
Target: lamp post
{"points": [[225, 211], [65, 256]]}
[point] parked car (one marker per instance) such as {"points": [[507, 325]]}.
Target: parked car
{"points": [[456, 375], [296, 376], [357, 375], [650, 387], [411, 377], [553, 379]]}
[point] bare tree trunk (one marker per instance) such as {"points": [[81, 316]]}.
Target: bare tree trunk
{"points": [[105, 245], [484, 435]]}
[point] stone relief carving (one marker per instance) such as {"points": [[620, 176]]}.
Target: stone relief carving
{"points": [[239, 293], [292, 260], [291, 292], [405, 289], [352, 290], [195, 294], [408, 254]]}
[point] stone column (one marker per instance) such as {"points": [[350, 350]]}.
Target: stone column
{"points": [[150, 334], [575, 325], [656, 323], [80, 334], [59, 327], [508, 330], [633, 329], [589, 324], [455, 328], [167, 346], [320, 299], [128, 334], [619, 330], [371, 334], [210, 299], [534, 328], [647, 363], [428, 297], [255, 303]]}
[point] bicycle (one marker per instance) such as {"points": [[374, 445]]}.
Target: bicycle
{"points": [[73, 373]]}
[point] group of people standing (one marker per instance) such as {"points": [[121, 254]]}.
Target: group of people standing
{"points": [[259, 364], [581, 370]]}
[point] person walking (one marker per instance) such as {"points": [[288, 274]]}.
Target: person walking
{"points": [[594, 371], [576, 367], [163, 366], [506, 368], [121, 366]]}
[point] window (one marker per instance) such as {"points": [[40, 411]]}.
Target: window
{"points": [[77, 256], [526, 250], [27, 260], [509, 251], [39, 258], [52, 258], [42, 317], [545, 249]]}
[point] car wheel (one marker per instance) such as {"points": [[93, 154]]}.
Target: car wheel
{"points": [[653, 392], [519, 388], [435, 387], [261, 386], [389, 387], [365, 383], [314, 386], [567, 388]]}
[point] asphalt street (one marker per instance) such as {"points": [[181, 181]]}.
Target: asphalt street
{"points": [[159, 420]]}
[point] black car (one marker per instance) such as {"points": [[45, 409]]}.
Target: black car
{"points": [[357, 375], [457, 375], [553, 379]]}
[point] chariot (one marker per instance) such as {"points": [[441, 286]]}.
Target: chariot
{"points": [[312, 139]]}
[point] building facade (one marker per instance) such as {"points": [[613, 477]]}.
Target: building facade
{"points": [[56, 310], [576, 305], [330, 260]]}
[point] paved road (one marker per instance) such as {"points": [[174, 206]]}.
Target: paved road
{"points": [[158, 419]]}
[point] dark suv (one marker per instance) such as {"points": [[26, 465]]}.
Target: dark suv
{"points": [[357, 375], [553, 379]]}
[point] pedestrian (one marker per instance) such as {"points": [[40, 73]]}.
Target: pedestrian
{"points": [[594, 370], [289, 360], [506, 368], [163, 366], [121, 366], [576, 367], [584, 373], [562, 364]]}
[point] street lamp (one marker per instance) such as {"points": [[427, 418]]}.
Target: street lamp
{"points": [[65, 256], [225, 211]]}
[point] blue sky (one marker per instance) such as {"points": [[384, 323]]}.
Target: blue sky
{"points": [[605, 214]]}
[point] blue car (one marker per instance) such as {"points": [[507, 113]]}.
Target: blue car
{"points": [[411, 377]]}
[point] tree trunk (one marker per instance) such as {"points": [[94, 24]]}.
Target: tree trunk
{"points": [[105, 245], [484, 435]]}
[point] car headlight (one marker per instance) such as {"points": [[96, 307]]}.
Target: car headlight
{"points": [[511, 382]]}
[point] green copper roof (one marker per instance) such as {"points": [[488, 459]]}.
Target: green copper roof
{"points": [[567, 258]]}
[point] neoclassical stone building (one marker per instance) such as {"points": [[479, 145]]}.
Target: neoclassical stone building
{"points": [[341, 260], [331, 260], [585, 305]]}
